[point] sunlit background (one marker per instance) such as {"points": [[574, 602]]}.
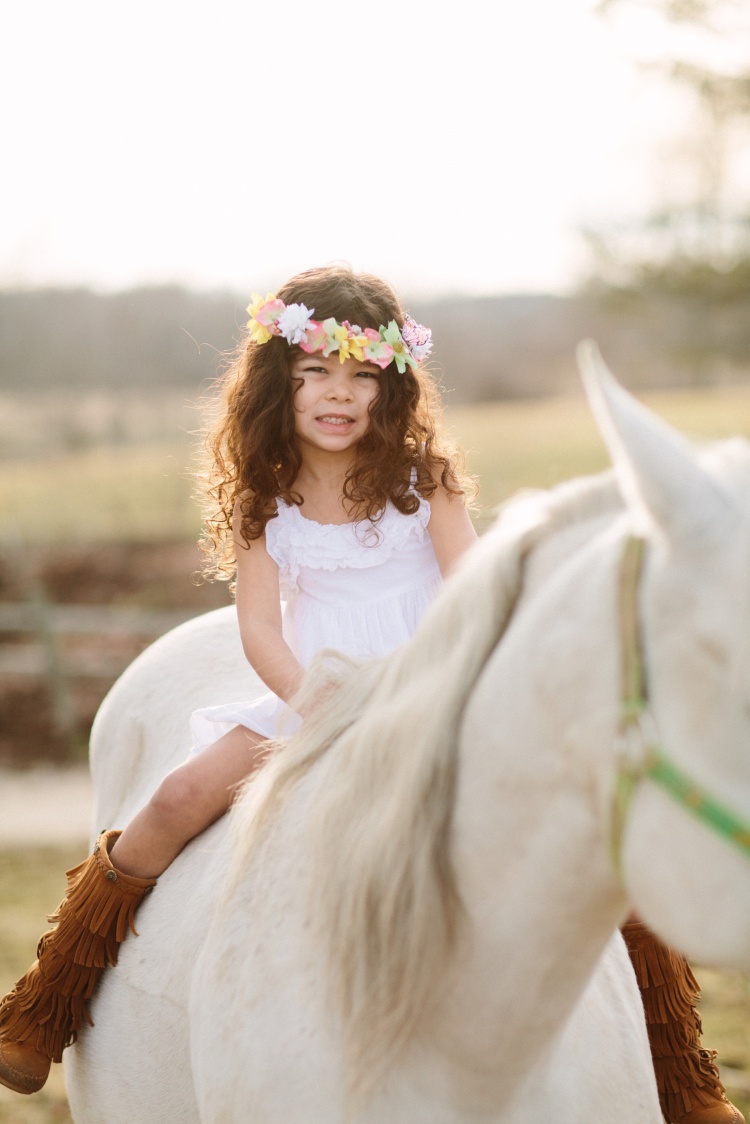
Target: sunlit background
{"points": [[451, 147], [525, 174]]}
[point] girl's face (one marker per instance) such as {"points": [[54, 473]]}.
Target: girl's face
{"points": [[332, 400]]}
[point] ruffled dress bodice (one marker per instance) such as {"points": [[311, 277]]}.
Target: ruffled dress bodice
{"points": [[360, 588]]}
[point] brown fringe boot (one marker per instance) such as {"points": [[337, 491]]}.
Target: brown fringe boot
{"points": [[47, 1007], [690, 1089]]}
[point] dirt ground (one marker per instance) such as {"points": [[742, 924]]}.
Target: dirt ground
{"points": [[44, 806]]}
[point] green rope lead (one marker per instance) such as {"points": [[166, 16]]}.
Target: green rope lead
{"points": [[725, 823], [634, 705]]}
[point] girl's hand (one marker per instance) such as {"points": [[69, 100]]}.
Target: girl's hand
{"points": [[310, 706]]}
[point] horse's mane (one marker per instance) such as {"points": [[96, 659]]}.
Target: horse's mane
{"points": [[386, 900]]}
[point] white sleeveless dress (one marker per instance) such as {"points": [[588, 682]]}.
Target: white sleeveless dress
{"points": [[360, 588]]}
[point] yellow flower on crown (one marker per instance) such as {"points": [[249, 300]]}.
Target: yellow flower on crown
{"points": [[259, 333], [335, 335], [352, 344]]}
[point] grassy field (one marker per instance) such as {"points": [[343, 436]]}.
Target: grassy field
{"points": [[535, 444], [121, 493], [32, 882], [141, 490]]}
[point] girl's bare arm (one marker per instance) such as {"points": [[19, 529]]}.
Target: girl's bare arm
{"points": [[259, 613], [450, 528]]}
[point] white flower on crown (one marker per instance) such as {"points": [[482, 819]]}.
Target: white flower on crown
{"points": [[294, 322]]}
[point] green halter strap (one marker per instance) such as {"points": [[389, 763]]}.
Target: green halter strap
{"points": [[639, 755]]}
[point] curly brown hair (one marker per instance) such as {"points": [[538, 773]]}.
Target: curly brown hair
{"points": [[251, 452]]}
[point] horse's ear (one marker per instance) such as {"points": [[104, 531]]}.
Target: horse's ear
{"points": [[660, 476]]}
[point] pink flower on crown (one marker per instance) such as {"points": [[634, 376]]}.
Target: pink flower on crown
{"points": [[376, 350], [268, 314], [261, 324], [315, 337], [417, 338]]}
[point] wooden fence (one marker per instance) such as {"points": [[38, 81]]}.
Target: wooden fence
{"points": [[36, 642]]}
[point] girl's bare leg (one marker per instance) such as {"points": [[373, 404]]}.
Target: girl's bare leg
{"points": [[187, 801]]}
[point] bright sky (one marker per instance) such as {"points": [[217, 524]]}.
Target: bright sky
{"points": [[445, 144]]}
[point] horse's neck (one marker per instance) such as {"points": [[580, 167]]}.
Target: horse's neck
{"points": [[529, 827]]}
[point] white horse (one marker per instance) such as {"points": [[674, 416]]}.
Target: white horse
{"points": [[411, 915]]}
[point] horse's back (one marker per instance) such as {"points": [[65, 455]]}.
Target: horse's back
{"points": [[142, 728]]}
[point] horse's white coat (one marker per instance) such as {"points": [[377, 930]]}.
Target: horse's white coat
{"points": [[218, 1012]]}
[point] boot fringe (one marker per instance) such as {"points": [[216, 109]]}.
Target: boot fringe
{"points": [[94, 917], [686, 1075], [67, 978], [34, 1010], [678, 1095], [92, 902], [668, 987]]}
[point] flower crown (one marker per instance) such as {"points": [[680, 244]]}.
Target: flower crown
{"points": [[405, 346]]}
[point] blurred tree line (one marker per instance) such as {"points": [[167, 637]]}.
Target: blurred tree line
{"points": [[681, 272], [80, 339], [169, 338]]}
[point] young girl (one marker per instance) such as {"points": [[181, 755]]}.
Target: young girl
{"points": [[332, 488]]}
